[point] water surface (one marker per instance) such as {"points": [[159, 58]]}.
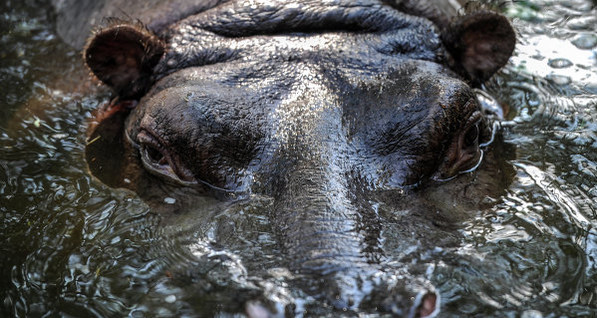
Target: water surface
{"points": [[74, 247]]}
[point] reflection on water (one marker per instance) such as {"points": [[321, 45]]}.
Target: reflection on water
{"points": [[540, 238], [71, 246]]}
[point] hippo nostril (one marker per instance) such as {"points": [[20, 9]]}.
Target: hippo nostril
{"points": [[427, 306]]}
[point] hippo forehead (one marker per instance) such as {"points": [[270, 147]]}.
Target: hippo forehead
{"points": [[360, 36]]}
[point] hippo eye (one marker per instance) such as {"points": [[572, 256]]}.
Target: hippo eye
{"points": [[463, 154], [159, 161], [471, 137], [155, 155]]}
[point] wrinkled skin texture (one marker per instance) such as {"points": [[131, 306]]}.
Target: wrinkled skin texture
{"points": [[359, 121]]}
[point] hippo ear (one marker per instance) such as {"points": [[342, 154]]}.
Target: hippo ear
{"points": [[480, 44], [123, 57]]}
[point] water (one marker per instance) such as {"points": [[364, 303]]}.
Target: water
{"points": [[74, 247]]}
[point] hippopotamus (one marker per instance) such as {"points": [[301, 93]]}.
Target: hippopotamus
{"points": [[360, 120]]}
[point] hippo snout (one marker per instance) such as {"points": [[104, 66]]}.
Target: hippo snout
{"points": [[330, 225]]}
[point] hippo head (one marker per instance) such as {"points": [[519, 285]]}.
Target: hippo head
{"points": [[333, 109]]}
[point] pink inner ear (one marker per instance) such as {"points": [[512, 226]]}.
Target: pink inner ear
{"points": [[427, 306]]}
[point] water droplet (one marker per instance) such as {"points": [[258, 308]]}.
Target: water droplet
{"points": [[559, 63], [170, 299], [169, 200]]}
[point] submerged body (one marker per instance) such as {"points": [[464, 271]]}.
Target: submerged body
{"points": [[357, 118]]}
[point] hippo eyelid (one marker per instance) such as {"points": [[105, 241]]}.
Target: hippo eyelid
{"points": [[473, 122], [145, 137], [479, 161], [481, 155], [149, 146]]}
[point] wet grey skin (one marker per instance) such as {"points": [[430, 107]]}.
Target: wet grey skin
{"points": [[359, 121]]}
